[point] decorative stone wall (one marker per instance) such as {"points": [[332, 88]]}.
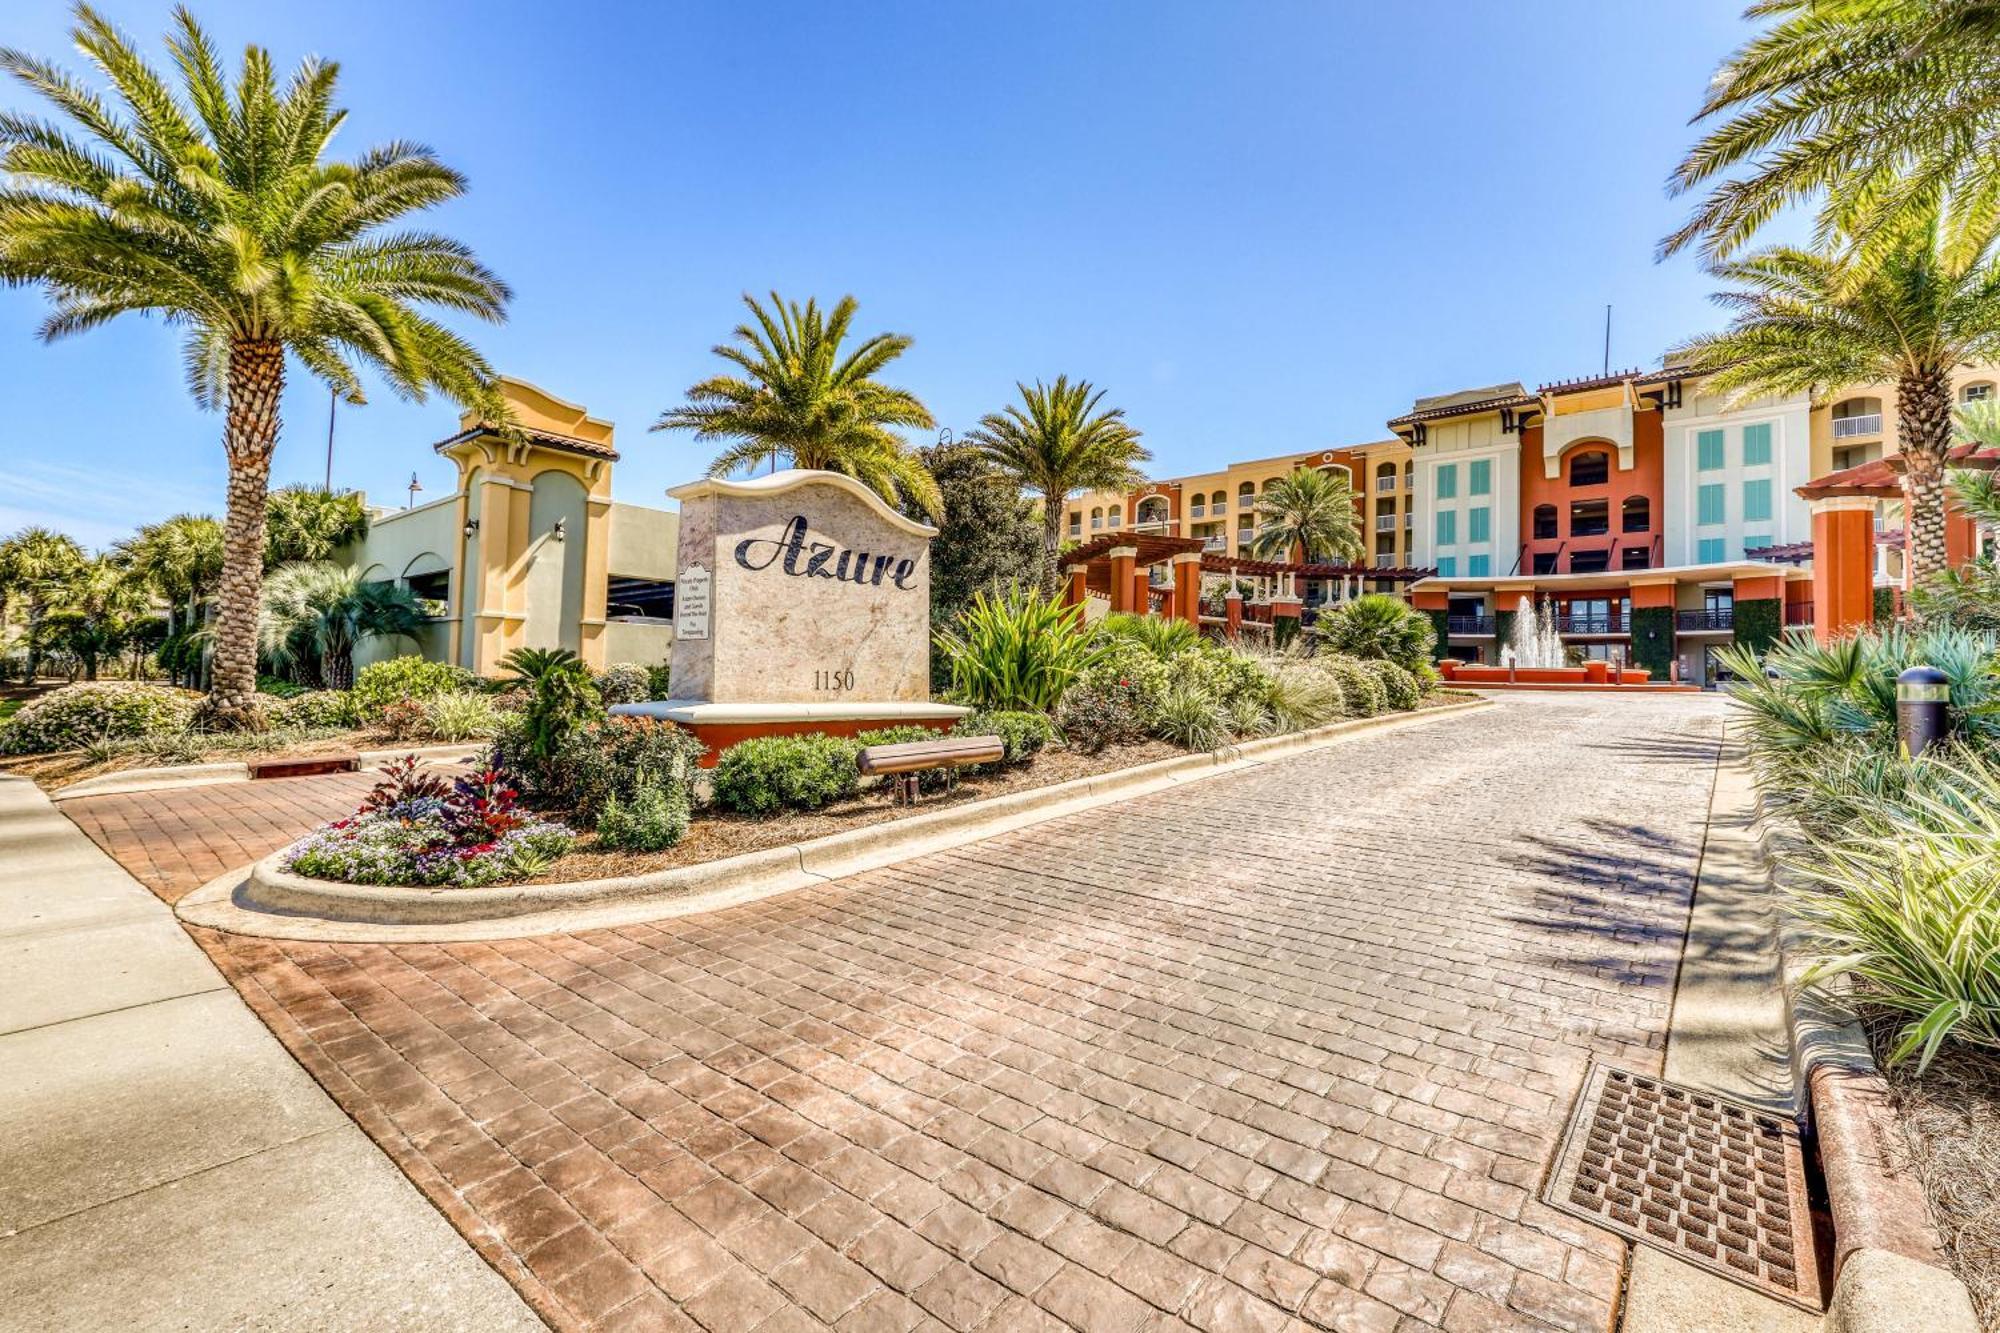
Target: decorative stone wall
{"points": [[817, 592]]}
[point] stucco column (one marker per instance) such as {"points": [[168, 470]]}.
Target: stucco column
{"points": [[1142, 592], [1076, 589], [596, 575], [1961, 537], [1122, 558], [1232, 611], [1843, 565], [1187, 586]]}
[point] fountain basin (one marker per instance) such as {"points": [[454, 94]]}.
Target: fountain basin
{"points": [[1590, 673]]}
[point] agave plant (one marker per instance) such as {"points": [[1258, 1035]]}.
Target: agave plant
{"points": [[1020, 651], [1909, 906]]}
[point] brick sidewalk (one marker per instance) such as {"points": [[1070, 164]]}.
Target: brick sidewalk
{"points": [[1285, 1049], [177, 840]]}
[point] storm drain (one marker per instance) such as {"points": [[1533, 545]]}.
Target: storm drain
{"points": [[1711, 1182]]}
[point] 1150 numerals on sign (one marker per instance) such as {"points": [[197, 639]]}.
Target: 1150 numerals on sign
{"points": [[834, 680]]}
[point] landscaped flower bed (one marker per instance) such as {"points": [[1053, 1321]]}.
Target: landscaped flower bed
{"points": [[1067, 700]]}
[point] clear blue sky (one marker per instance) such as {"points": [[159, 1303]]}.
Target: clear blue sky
{"points": [[1263, 227]]}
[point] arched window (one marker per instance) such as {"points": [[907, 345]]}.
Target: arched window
{"points": [[1075, 522], [1097, 518], [1115, 515], [1545, 521], [1977, 392], [1152, 509], [1636, 514], [1385, 477], [1198, 506], [1245, 493], [1219, 502], [1592, 467]]}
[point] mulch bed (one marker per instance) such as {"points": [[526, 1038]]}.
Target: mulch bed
{"points": [[716, 834], [1950, 1116]]}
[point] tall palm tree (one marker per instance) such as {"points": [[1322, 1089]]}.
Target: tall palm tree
{"points": [[315, 615], [307, 523], [39, 563], [1310, 511], [1880, 108], [1056, 442], [98, 598], [803, 396], [210, 206], [1808, 323], [179, 558]]}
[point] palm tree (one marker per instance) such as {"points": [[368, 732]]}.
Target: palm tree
{"points": [[1310, 511], [1808, 323], [802, 396], [98, 598], [180, 558], [1056, 442], [38, 563], [315, 615], [1881, 108], [307, 523], [210, 206]]}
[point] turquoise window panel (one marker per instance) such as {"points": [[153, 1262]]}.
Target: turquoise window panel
{"points": [[1757, 444], [1708, 450], [1711, 505], [1756, 542], [1757, 501], [1479, 566], [1447, 565], [1711, 551], [1479, 524], [1447, 482], [1479, 477], [1447, 527]]}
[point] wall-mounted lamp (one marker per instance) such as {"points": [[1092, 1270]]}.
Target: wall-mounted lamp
{"points": [[561, 529], [471, 527]]}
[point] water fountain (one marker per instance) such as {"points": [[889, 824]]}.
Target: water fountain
{"points": [[1535, 642]]}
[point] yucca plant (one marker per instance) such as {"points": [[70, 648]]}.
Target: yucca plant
{"points": [[1909, 907], [1189, 715], [1019, 651], [1162, 637]]}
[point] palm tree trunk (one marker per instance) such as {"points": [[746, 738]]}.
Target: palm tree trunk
{"points": [[1052, 574], [256, 384], [1923, 421]]}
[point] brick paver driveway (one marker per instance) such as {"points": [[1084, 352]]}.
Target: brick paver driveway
{"points": [[1284, 1049]]}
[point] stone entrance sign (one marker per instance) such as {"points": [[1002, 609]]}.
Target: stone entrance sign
{"points": [[816, 592]]}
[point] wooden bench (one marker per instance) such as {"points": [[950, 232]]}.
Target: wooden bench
{"points": [[902, 763], [303, 765]]}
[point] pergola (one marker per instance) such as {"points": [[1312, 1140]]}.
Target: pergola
{"points": [[1844, 538], [1119, 566]]}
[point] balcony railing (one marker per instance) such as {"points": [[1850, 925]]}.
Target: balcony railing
{"points": [[1385, 483], [1385, 522], [1386, 560], [1713, 619], [1469, 625], [1605, 623], [1216, 543], [1798, 613], [1846, 428]]}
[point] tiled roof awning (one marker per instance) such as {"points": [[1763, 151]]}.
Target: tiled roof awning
{"points": [[568, 444], [1229, 564], [1883, 478]]}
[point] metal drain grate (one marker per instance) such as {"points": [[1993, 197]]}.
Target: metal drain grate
{"points": [[1719, 1185]]}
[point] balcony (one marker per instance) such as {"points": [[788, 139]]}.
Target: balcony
{"points": [[1714, 620], [1217, 543], [1385, 522], [1385, 483], [1848, 428], [1609, 622], [1469, 626]]}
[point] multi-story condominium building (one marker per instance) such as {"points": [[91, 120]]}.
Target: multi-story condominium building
{"points": [[1220, 506], [1655, 520]]}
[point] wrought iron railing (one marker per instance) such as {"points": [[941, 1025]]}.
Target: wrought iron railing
{"points": [[1605, 623], [1471, 625], [1714, 618]]}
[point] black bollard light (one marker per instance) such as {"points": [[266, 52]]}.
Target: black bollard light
{"points": [[1921, 695]]}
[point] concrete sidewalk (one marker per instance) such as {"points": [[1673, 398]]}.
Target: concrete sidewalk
{"points": [[164, 1163]]}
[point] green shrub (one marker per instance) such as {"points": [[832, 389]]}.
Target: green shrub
{"points": [[1227, 674], [659, 682], [1023, 734], [464, 715], [1911, 909], [1128, 668], [1306, 693], [1360, 688], [600, 760], [1190, 716], [931, 779], [624, 683], [313, 710], [1094, 716], [770, 773], [655, 820], [1380, 627], [560, 697], [278, 687], [380, 684], [92, 711], [1246, 717], [403, 719], [1020, 651], [1399, 687]]}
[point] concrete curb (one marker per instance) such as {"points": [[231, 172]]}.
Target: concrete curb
{"points": [[267, 901], [1889, 1270], [127, 781]]}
